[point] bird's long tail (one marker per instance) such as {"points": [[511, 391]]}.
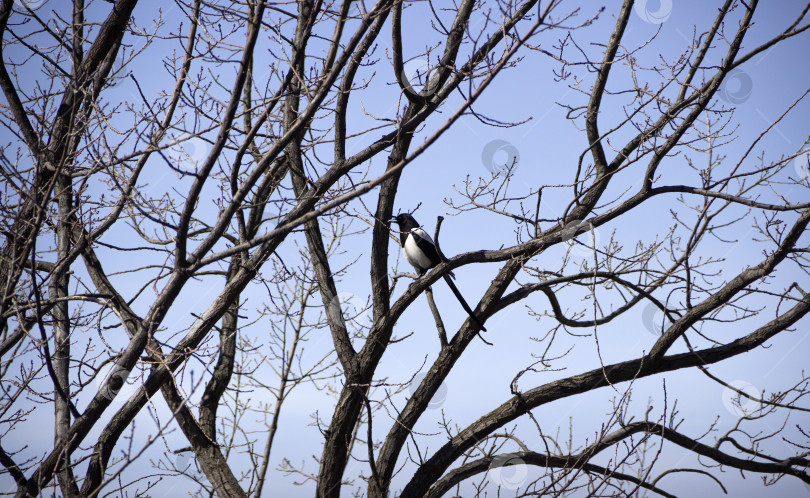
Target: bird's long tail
{"points": [[463, 302]]}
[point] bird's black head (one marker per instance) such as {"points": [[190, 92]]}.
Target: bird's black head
{"points": [[405, 221]]}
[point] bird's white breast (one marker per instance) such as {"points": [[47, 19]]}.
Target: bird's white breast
{"points": [[414, 254]]}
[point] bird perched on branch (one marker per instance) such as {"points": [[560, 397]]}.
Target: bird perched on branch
{"points": [[421, 253]]}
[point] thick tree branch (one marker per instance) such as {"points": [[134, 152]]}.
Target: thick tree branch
{"points": [[613, 374]]}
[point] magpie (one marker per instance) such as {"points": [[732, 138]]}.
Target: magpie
{"points": [[420, 251]]}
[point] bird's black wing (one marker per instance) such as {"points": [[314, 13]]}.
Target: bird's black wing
{"points": [[425, 243]]}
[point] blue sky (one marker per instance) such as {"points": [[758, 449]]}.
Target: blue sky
{"points": [[548, 146]]}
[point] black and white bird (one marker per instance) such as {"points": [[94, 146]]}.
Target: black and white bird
{"points": [[420, 251]]}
